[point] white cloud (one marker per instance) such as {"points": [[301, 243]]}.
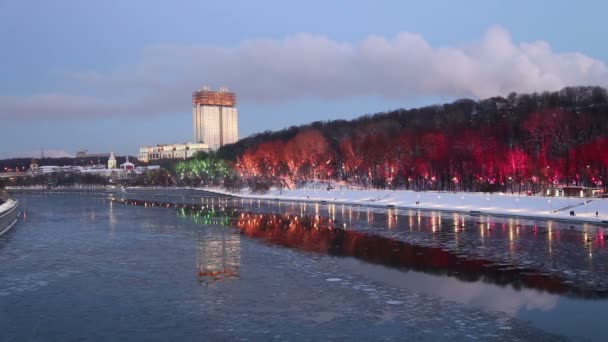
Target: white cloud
{"points": [[306, 65]]}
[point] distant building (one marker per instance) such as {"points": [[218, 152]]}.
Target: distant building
{"points": [[171, 151], [127, 169], [215, 117], [112, 161], [33, 167], [127, 166], [86, 154], [49, 169], [144, 169]]}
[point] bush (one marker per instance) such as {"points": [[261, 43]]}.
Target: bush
{"points": [[233, 183], [259, 184]]}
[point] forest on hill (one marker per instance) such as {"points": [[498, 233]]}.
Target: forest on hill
{"points": [[523, 142]]}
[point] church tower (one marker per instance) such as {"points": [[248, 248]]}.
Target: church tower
{"points": [[111, 161], [34, 166]]}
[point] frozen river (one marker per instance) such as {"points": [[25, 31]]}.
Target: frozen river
{"points": [[85, 267]]}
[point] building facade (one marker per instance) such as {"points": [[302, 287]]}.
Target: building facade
{"points": [[170, 151], [215, 117]]}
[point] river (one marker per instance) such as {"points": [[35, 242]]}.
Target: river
{"points": [[181, 265]]}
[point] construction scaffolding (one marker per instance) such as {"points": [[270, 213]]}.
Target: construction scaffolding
{"points": [[207, 97]]}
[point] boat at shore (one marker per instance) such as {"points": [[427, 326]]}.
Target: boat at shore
{"points": [[9, 211]]}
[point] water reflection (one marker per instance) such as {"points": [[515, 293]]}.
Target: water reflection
{"points": [[319, 234], [112, 219], [218, 251], [479, 294], [480, 248], [576, 252], [219, 255]]}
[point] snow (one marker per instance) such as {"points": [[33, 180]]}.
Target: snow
{"points": [[6, 205], [496, 204]]}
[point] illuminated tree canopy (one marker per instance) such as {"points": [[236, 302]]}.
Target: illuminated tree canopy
{"points": [[520, 143]]}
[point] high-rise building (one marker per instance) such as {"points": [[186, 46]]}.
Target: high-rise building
{"points": [[215, 117]]}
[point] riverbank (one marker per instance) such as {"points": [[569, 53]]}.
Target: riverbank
{"points": [[555, 208], [500, 204]]}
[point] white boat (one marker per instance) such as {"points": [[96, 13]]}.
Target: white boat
{"points": [[9, 211]]}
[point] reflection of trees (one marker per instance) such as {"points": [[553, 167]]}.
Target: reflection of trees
{"points": [[317, 234]]}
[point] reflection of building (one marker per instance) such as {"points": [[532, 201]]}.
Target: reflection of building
{"points": [[215, 117], [171, 151], [219, 254]]}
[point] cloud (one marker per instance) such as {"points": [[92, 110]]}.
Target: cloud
{"points": [[268, 71]]}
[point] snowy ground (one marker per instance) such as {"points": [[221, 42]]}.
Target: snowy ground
{"points": [[6, 205], [497, 204]]}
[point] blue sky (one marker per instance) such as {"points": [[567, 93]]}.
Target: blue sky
{"points": [[114, 75]]}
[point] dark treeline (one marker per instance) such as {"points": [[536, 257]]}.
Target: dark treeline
{"points": [[523, 142], [158, 177], [58, 179], [23, 164]]}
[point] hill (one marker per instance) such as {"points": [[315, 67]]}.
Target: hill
{"points": [[523, 141]]}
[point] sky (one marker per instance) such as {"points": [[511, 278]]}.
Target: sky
{"points": [[115, 75]]}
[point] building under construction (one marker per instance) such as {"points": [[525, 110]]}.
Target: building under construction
{"points": [[214, 117], [214, 98]]}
